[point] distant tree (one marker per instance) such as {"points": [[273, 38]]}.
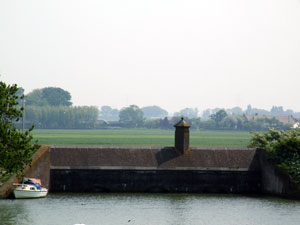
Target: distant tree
{"points": [[215, 110], [132, 116], [51, 96], [206, 114], [15, 146], [154, 112], [57, 96], [235, 111], [218, 116], [195, 122], [108, 113], [152, 124], [36, 98], [232, 122], [62, 117], [188, 112], [165, 124]]}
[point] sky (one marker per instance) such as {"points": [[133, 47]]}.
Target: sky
{"points": [[171, 53]]}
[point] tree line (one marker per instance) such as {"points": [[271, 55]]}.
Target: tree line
{"points": [[62, 117], [52, 108], [133, 116]]}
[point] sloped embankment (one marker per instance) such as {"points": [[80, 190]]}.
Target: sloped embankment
{"points": [[40, 168]]}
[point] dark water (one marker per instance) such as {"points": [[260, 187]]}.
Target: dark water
{"points": [[150, 209]]}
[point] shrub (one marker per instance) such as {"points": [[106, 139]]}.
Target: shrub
{"points": [[283, 149]]}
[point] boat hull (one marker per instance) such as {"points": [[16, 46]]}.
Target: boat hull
{"points": [[30, 194]]}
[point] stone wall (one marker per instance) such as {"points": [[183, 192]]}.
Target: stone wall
{"points": [[167, 157], [154, 170], [124, 180], [40, 167], [277, 182], [103, 169]]}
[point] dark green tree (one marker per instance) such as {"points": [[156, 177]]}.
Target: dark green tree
{"points": [[50, 96], [218, 116], [232, 122], [132, 116], [165, 124], [57, 96], [36, 98], [15, 146]]}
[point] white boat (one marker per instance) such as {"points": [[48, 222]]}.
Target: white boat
{"points": [[30, 188]]}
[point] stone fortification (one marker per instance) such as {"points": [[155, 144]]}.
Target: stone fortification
{"points": [[154, 158], [154, 170], [109, 169]]}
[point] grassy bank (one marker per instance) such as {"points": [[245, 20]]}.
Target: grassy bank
{"points": [[140, 137]]}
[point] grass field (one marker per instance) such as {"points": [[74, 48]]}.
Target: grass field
{"points": [[140, 137]]}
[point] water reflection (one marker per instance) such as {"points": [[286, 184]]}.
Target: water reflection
{"points": [[150, 209], [12, 211]]}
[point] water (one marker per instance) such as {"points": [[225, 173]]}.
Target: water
{"points": [[149, 209]]}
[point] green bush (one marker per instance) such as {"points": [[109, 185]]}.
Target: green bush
{"points": [[283, 149]]}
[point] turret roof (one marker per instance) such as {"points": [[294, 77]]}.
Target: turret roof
{"points": [[182, 123]]}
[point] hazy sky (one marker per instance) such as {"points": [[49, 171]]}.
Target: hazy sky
{"points": [[175, 54]]}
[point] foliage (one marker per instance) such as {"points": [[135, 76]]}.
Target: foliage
{"points": [[232, 122], [154, 112], [51, 117], [108, 113], [283, 148], [235, 111], [50, 96], [36, 98], [158, 124], [218, 116], [132, 116], [15, 146]]}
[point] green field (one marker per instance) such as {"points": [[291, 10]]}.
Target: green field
{"points": [[140, 137]]}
